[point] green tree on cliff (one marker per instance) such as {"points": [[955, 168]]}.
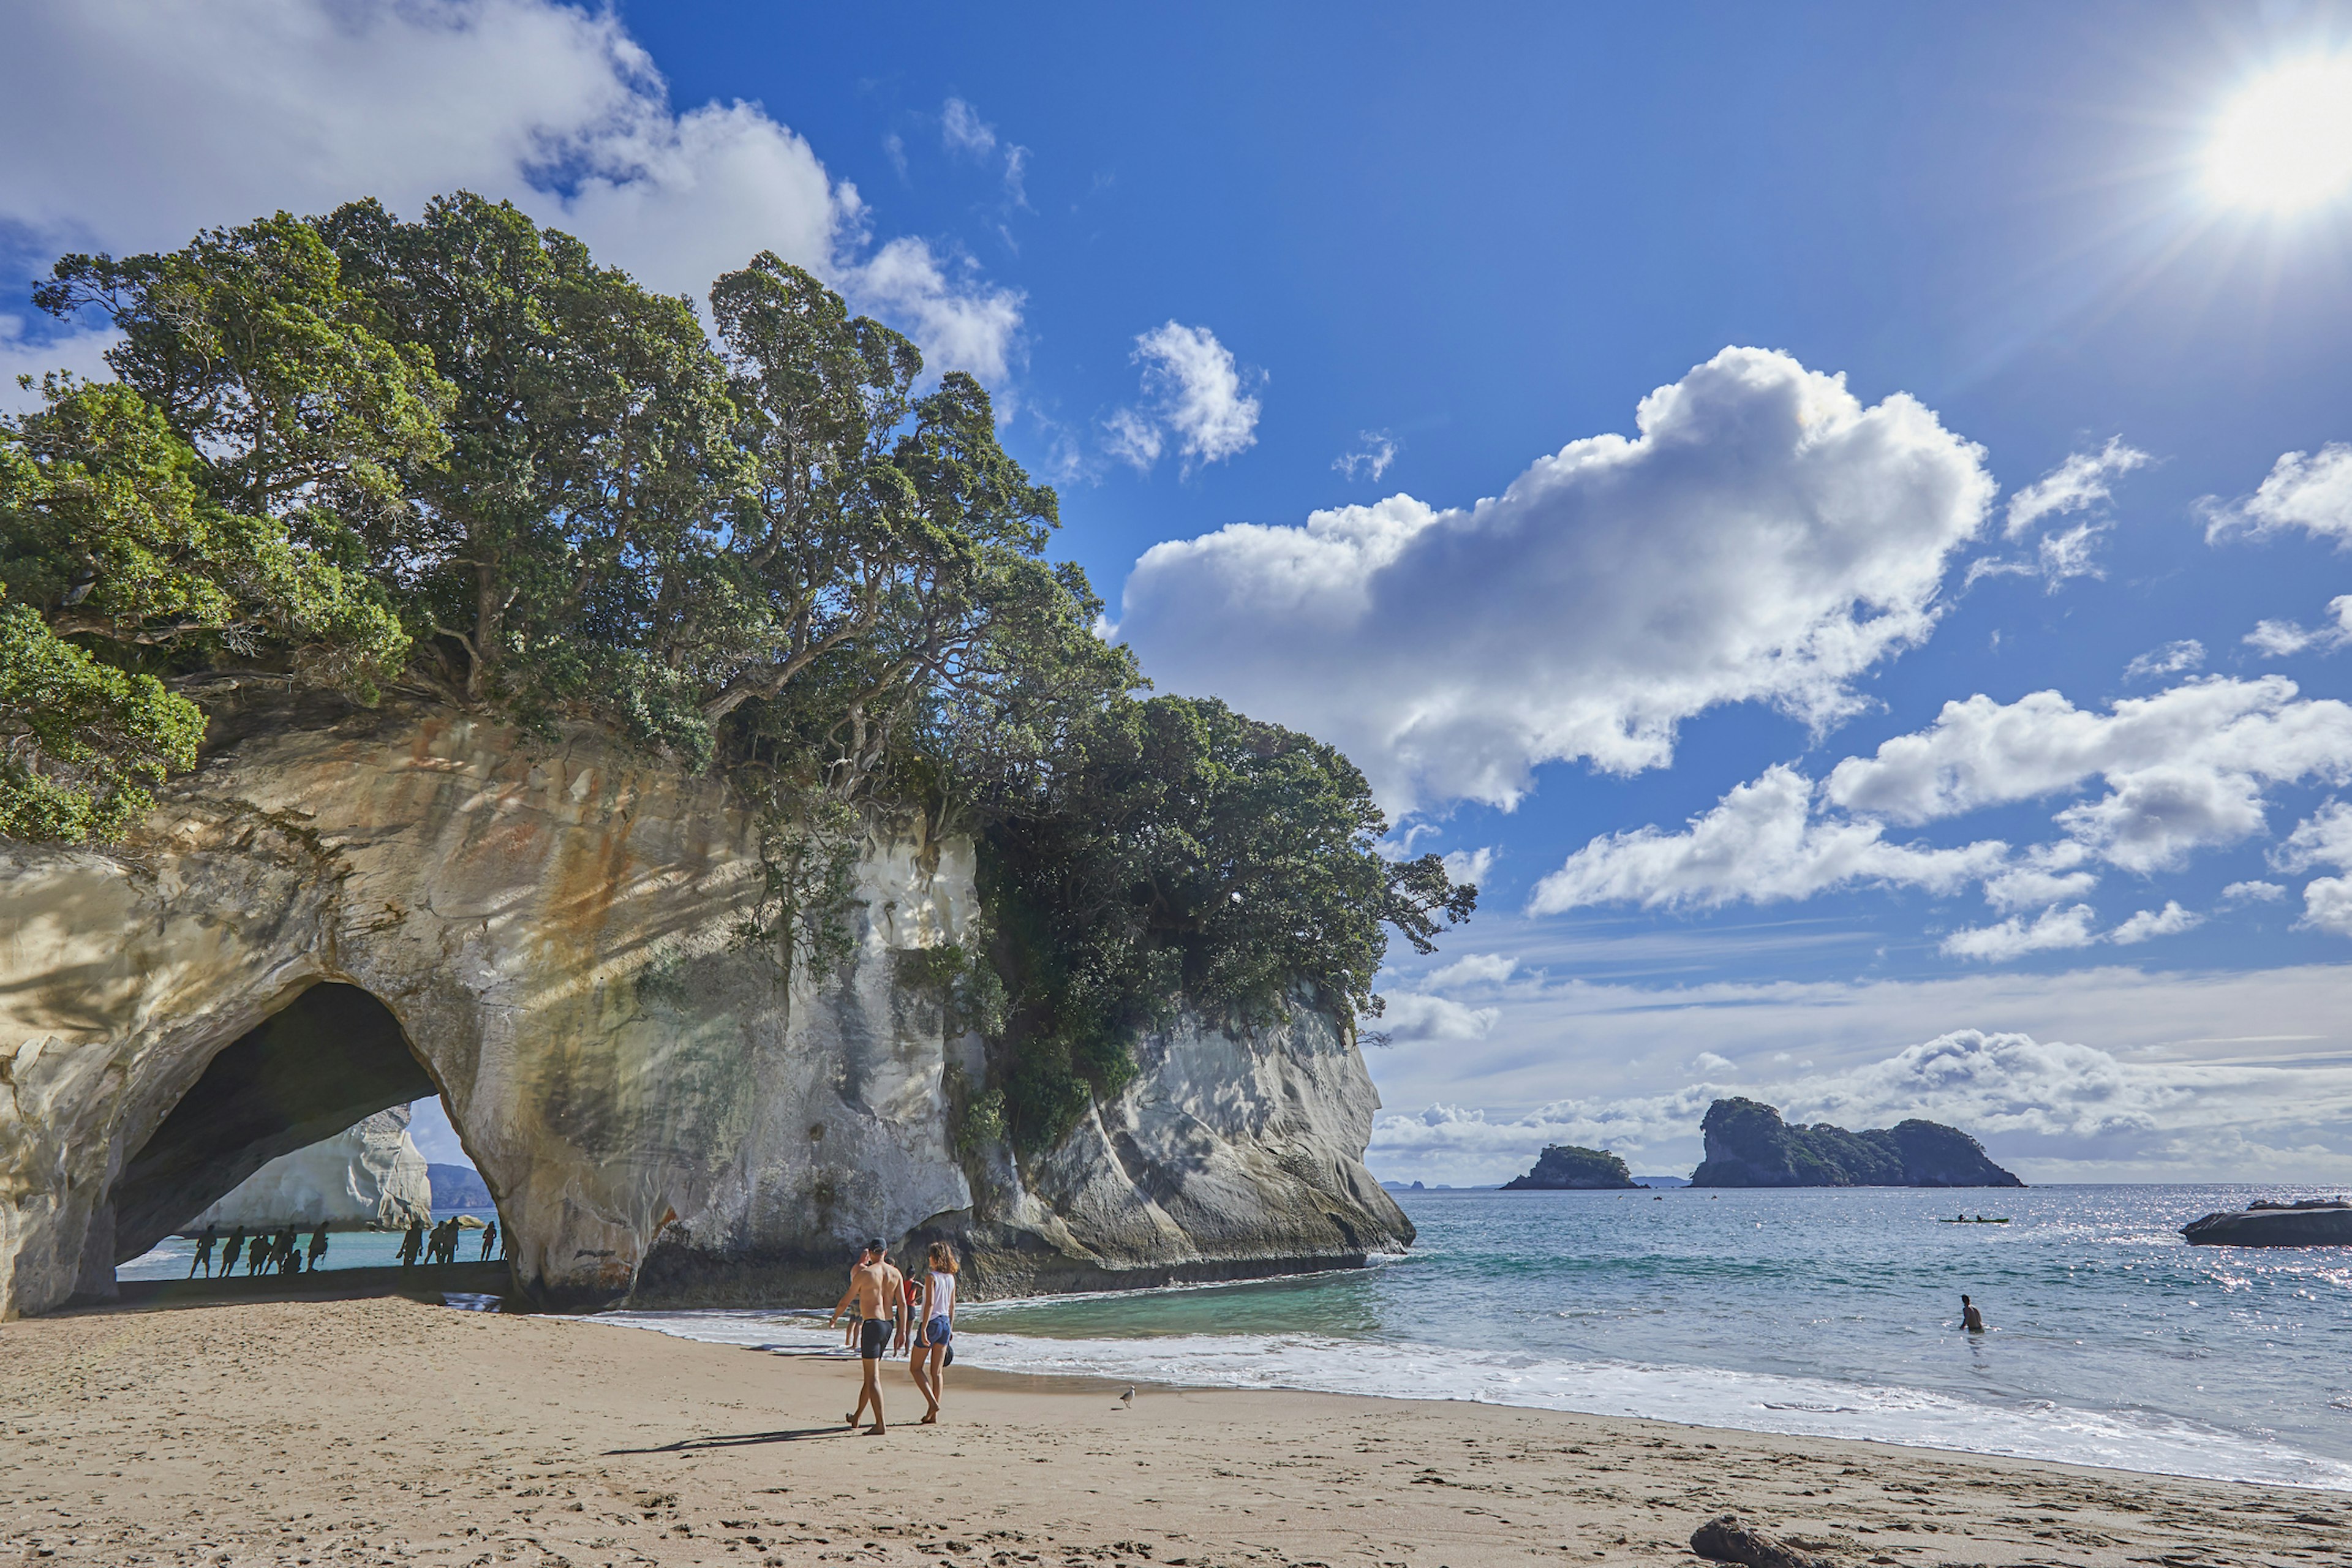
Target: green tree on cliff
{"points": [[456, 457]]}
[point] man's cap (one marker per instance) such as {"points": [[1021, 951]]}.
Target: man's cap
{"points": [[877, 1245]]}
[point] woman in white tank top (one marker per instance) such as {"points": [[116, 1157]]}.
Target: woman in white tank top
{"points": [[935, 1327]]}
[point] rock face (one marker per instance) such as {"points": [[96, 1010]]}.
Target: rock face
{"points": [[1747, 1146], [368, 1175], [344, 910], [1564, 1166], [2313, 1221]]}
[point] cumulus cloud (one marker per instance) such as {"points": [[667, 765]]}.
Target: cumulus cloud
{"points": [[1193, 399], [2323, 838], [1375, 450], [1707, 1061], [2171, 659], [2045, 874], [2306, 490], [1759, 843], [1470, 865], [2253, 892], [2184, 768], [1414, 1015], [2276, 639], [1764, 537], [2069, 926], [2169, 920], [1473, 969], [961, 324], [221, 113]]}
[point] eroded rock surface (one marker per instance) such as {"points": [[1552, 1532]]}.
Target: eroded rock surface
{"points": [[369, 1175], [550, 926]]}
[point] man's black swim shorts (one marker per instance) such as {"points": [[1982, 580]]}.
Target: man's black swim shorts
{"points": [[874, 1338]]}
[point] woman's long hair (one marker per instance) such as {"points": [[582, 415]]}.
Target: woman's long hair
{"points": [[943, 1258]]}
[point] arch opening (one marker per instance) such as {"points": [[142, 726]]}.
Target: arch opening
{"points": [[331, 1056]]}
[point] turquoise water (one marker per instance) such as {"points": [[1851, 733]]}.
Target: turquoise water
{"points": [[1825, 1311], [345, 1249]]}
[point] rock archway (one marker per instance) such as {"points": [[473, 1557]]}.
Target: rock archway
{"points": [[334, 1055], [550, 927]]}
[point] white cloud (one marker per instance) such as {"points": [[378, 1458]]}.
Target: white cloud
{"points": [[1194, 398], [2253, 892], [2171, 659], [1765, 538], [2170, 920], [2302, 490], [1470, 865], [1707, 1061], [1375, 450], [962, 325], [2048, 874], [2070, 926], [79, 353], [1759, 843], [221, 113], [2083, 483], [1411, 1016], [1473, 969], [962, 130], [2323, 838], [2276, 639], [2080, 482], [2184, 768]]}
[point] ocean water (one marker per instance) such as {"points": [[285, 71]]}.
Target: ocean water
{"points": [[1826, 1312], [170, 1258]]}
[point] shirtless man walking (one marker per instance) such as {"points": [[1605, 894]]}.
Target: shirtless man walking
{"points": [[878, 1293]]}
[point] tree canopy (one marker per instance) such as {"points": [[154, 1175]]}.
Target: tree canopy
{"points": [[457, 458]]}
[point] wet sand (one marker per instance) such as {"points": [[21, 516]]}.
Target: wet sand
{"points": [[393, 1431]]}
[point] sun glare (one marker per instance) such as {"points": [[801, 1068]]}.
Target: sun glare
{"points": [[2286, 143]]}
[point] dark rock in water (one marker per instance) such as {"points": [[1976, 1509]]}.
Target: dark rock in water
{"points": [[2315, 1221], [1563, 1166], [1725, 1539], [1747, 1146]]}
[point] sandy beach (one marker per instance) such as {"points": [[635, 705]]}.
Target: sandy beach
{"points": [[392, 1431]]}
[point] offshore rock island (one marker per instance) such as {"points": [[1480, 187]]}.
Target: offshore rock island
{"points": [[1565, 1167], [437, 666], [1747, 1146]]}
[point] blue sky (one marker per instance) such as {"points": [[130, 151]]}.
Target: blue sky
{"points": [[1450, 244]]}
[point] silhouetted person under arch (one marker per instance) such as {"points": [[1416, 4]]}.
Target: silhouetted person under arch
{"points": [[318, 1246], [490, 1240], [412, 1245], [203, 1257]]}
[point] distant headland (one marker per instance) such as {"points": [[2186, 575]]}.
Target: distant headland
{"points": [[1747, 1146]]}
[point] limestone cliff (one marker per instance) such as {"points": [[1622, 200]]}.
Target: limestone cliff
{"points": [[368, 1175], [1747, 1146], [342, 910]]}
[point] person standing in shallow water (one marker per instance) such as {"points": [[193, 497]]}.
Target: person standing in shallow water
{"points": [[228, 1257], [1971, 1318], [490, 1240], [878, 1293], [203, 1257], [318, 1246]]}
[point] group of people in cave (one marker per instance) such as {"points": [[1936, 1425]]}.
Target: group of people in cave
{"points": [[440, 1243], [278, 1252]]}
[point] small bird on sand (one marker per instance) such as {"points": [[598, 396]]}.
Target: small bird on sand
{"points": [[1127, 1400]]}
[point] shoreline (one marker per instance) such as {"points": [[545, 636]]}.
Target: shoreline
{"points": [[358, 1431]]}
